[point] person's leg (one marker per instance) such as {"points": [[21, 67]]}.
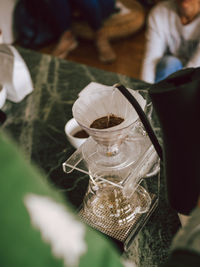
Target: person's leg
{"points": [[106, 53], [94, 12], [166, 66], [62, 15], [66, 43]]}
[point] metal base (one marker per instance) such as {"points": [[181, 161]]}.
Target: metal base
{"points": [[125, 235]]}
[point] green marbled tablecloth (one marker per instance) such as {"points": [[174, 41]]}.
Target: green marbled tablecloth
{"points": [[37, 125]]}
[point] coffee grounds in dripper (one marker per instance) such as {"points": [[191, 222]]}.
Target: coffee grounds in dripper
{"points": [[106, 122]]}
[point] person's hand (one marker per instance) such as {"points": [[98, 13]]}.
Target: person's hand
{"points": [[188, 10]]}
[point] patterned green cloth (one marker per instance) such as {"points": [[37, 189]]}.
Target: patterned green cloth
{"points": [[38, 228]]}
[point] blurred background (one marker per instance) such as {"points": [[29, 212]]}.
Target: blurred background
{"points": [[128, 48]]}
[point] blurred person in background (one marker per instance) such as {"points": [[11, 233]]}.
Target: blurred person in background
{"points": [[94, 11], [172, 39], [55, 16]]}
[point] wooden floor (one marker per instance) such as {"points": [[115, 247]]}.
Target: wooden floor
{"points": [[129, 53]]}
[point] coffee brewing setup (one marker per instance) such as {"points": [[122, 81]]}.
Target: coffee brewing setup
{"points": [[121, 162]]}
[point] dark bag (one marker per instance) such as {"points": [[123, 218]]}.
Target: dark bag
{"points": [[176, 101], [32, 24]]}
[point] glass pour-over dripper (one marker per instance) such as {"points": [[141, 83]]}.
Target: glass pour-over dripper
{"points": [[110, 149], [109, 155]]}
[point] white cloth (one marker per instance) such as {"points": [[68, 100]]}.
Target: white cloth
{"points": [[14, 74], [166, 34]]}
